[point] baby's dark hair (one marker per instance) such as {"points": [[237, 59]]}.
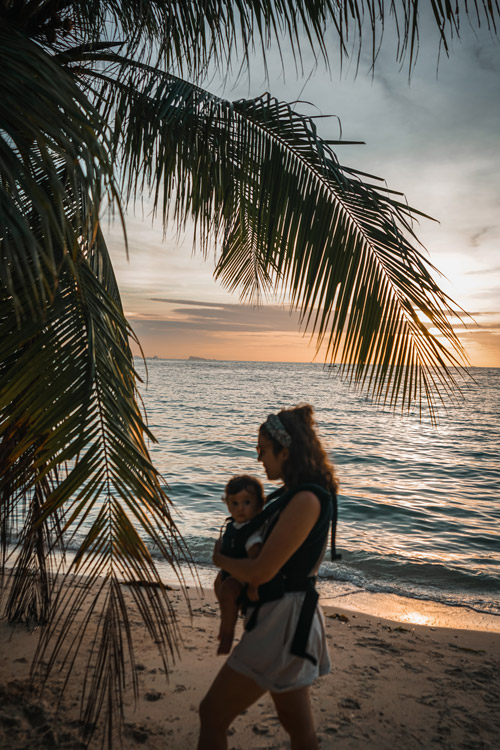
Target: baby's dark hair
{"points": [[245, 482]]}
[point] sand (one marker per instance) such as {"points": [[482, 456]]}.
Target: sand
{"points": [[392, 685]]}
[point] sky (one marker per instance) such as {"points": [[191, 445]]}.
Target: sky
{"points": [[435, 138]]}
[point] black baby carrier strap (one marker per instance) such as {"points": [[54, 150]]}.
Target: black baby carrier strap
{"points": [[304, 623], [278, 499], [328, 515]]}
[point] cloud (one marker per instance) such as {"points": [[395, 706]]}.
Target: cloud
{"points": [[494, 326], [480, 271], [194, 303], [185, 314], [483, 347], [480, 234], [486, 58], [483, 314]]}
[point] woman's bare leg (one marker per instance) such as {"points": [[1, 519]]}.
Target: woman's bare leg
{"points": [[230, 694], [295, 714]]}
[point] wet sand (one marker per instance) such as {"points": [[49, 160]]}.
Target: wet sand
{"points": [[392, 685]]}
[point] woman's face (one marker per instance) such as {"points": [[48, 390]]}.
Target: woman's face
{"points": [[272, 462]]}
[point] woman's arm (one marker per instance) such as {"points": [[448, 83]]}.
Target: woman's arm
{"points": [[293, 526]]}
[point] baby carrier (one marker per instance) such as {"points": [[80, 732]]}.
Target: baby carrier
{"points": [[295, 575]]}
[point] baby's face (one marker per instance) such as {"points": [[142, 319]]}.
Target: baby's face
{"points": [[242, 506]]}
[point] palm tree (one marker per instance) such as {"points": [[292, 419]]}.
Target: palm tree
{"points": [[100, 101]]}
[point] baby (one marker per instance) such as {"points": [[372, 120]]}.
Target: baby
{"points": [[244, 496]]}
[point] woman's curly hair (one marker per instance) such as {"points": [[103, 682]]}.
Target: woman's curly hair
{"points": [[307, 460]]}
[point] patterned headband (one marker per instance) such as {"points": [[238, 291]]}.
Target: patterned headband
{"points": [[275, 428]]}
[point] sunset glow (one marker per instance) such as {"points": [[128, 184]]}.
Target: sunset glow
{"points": [[419, 137]]}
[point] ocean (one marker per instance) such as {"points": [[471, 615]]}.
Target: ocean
{"points": [[419, 505]]}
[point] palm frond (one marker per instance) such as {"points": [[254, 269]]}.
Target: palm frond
{"points": [[345, 251], [68, 395], [192, 37], [261, 184], [75, 404], [32, 580], [49, 149]]}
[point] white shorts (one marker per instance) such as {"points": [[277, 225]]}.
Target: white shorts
{"points": [[264, 652]]}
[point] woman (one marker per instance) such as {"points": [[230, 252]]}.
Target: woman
{"points": [[283, 648]]}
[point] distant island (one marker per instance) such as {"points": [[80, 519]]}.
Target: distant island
{"points": [[156, 358]]}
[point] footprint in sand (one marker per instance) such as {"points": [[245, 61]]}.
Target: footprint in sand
{"points": [[350, 703], [378, 645], [153, 696]]}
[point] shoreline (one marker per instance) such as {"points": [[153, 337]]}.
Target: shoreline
{"points": [[339, 594], [392, 606], [391, 685], [412, 611]]}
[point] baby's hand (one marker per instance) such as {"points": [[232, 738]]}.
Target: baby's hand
{"points": [[252, 592]]}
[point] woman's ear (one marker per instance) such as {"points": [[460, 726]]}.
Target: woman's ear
{"points": [[284, 453]]}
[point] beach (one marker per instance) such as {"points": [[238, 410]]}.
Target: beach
{"points": [[392, 684], [412, 608]]}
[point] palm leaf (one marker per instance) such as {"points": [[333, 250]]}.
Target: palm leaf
{"points": [[69, 395], [261, 184], [193, 37], [49, 149], [345, 252], [78, 395]]}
